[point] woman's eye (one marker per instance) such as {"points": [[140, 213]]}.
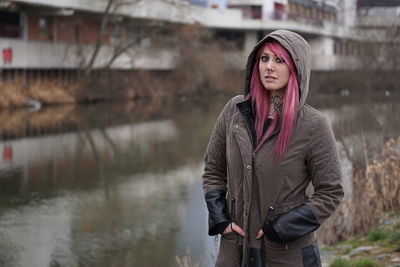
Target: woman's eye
{"points": [[279, 60], [264, 58]]}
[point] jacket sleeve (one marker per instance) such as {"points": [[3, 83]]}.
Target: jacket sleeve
{"points": [[214, 176], [326, 177]]}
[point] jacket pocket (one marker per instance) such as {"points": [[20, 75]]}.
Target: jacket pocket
{"points": [[288, 255], [302, 242], [230, 236], [311, 257], [229, 253]]}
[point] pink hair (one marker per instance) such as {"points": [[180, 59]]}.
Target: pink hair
{"points": [[260, 100]]}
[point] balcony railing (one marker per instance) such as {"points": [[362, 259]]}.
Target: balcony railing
{"points": [[279, 15], [10, 31]]}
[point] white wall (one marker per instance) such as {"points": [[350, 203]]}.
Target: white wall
{"points": [[347, 12], [34, 54], [267, 9], [324, 59], [246, 2], [250, 41]]}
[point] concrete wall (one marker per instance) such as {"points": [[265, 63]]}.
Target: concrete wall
{"points": [[40, 54], [324, 59], [43, 55], [250, 41], [347, 12]]}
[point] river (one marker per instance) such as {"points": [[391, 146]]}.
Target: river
{"points": [[119, 184]]}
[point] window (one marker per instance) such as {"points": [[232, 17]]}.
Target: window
{"points": [[43, 27], [10, 25]]}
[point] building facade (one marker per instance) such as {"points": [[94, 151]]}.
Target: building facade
{"points": [[64, 35]]}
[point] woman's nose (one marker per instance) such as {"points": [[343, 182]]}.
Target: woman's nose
{"points": [[270, 65]]}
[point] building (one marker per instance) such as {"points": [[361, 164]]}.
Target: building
{"points": [[62, 36], [378, 14]]}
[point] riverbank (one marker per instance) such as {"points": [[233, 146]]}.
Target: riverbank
{"points": [[210, 76], [107, 86], [379, 247]]}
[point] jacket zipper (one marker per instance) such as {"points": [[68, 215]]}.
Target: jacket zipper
{"points": [[233, 213], [269, 210]]}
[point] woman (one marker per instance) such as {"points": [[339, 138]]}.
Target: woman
{"points": [[266, 148]]}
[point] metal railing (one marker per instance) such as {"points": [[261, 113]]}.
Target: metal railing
{"points": [[10, 31]]}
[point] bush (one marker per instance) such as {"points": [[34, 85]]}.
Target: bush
{"points": [[395, 237], [378, 235]]}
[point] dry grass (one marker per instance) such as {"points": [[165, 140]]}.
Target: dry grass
{"points": [[53, 117], [12, 121], [376, 190], [19, 122], [22, 122], [12, 95], [186, 261], [52, 93]]}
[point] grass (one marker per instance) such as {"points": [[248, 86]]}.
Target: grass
{"points": [[383, 235], [346, 250], [341, 262], [378, 235], [353, 242], [363, 263], [386, 239], [394, 237]]}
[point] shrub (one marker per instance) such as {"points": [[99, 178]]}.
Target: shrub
{"points": [[395, 237], [378, 235]]}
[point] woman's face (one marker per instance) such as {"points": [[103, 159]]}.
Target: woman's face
{"points": [[274, 72]]}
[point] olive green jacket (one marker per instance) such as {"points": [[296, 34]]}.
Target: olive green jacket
{"points": [[311, 157]]}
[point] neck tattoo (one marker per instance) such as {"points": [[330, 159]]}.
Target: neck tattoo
{"points": [[274, 101]]}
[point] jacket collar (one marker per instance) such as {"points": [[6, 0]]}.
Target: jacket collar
{"points": [[246, 109]]}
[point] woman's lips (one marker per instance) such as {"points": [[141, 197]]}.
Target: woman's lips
{"points": [[270, 78]]}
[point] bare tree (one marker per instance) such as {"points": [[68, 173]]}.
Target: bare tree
{"points": [[121, 46], [104, 23]]}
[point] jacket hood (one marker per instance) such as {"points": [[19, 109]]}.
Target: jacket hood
{"points": [[300, 51]]}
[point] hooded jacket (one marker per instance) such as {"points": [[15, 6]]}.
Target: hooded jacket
{"points": [[290, 216]]}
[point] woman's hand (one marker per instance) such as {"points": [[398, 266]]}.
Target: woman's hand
{"points": [[233, 227], [260, 234]]}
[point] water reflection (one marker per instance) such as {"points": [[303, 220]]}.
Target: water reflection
{"points": [[119, 185], [120, 195]]}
